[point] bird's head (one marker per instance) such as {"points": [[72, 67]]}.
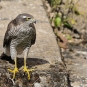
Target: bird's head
{"points": [[25, 18]]}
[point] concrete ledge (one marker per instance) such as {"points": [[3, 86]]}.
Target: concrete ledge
{"points": [[44, 56]]}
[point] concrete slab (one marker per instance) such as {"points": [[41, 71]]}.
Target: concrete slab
{"points": [[45, 54], [46, 46]]}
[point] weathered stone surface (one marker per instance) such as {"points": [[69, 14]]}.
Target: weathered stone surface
{"points": [[44, 56]]}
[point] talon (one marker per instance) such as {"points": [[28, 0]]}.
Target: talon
{"points": [[27, 71], [14, 71]]}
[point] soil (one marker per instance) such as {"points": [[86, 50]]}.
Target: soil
{"points": [[75, 57]]}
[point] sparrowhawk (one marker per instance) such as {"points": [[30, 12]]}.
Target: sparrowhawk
{"points": [[19, 37]]}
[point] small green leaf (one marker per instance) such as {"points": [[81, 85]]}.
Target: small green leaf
{"points": [[76, 11], [73, 21], [57, 21], [67, 24], [69, 37], [54, 3]]}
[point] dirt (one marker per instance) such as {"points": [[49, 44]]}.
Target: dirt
{"points": [[76, 63], [41, 78], [76, 56], [76, 60]]}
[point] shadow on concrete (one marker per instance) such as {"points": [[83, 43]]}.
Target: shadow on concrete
{"points": [[31, 62], [20, 61]]}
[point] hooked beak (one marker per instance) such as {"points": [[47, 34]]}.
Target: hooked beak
{"points": [[34, 21]]}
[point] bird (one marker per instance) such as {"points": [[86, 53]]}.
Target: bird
{"points": [[19, 37]]}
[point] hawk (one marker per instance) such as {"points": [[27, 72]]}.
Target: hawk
{"points": [[19, 37]]}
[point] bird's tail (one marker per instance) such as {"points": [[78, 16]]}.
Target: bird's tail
{"points": [[7, 58], [4, 56]]}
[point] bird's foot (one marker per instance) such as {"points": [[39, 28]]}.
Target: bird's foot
{"points": [[27, 71], [14, 71]]}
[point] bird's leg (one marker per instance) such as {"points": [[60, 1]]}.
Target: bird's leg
{"points": [[25, 67], [13, 56], [15, 70]]}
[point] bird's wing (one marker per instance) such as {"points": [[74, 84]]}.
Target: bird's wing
{"points": [[7, 37], [34, 34]]}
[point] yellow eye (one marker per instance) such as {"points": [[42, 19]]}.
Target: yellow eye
{"points": [[28, 19]]}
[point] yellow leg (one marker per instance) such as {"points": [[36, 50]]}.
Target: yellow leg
{"points": [[15, 70], [26, 69]]}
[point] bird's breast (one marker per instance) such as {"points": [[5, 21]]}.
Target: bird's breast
{"points": [[22, 38], [22, 43]]}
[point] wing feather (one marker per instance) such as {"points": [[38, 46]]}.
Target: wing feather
{"points": [[7, 37], [34, 34]]}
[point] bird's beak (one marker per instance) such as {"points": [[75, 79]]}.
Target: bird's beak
{"points": [[34, 21]]}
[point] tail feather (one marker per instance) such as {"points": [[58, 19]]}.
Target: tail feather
{"points": [[7, 58]]}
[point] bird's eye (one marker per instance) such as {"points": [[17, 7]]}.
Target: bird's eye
{"points": [[28, 19]]}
